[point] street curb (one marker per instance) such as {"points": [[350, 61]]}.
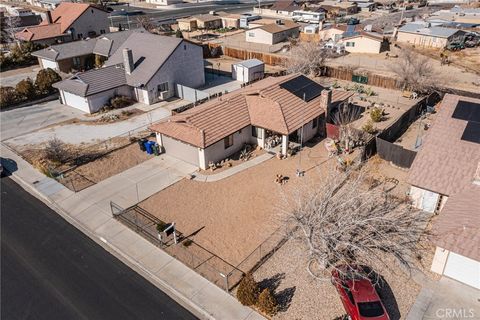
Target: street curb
{"points": [[157, 282]]}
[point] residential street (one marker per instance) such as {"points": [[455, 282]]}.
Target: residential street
{"points": [[50, 270]]}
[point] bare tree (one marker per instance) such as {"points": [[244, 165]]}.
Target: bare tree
{"points": [[349, 220], [307, 58], [415, 72], [9, 28], [146, 23], [344, 117]]}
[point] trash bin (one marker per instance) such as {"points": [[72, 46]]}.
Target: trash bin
{"points": [[156, 149], [141, 144], [148, 147]]}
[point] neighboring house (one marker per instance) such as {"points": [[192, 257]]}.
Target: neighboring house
{"points": [[248, 70], [46, 4], [247, 18], [283, 8], [7, 21], [445, 179], [273, 33], [187, 24], [146, 67], [229, 20], [313, 16], [339, 9], [459, 15], [270, 107], [354, 38], [423, 35], [164, 2], [259, 23], [208, 21], [80, 55], [366, 6], [69, 21]]}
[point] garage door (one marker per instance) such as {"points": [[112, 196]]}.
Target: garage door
{"points": [[180, 150], [463, 269]]}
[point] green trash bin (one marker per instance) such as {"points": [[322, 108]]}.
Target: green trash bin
{"points": [[156, 149]]}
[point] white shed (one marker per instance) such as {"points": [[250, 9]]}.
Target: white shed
{"points": [[248, 70]]}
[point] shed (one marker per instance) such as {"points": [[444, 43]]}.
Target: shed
{"points": [[248, 70]]}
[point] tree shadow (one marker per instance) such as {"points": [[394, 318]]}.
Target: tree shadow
{"points": [[272, 283], [284, 298], [191, 234]]}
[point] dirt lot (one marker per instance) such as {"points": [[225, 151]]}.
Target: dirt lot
{"points": [[467, 58], [412, 138]]}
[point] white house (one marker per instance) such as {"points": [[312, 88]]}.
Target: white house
{"points": [[69, 21], [254, 114], [146, 68], [445, 179], [248, 70], [273, 33]]}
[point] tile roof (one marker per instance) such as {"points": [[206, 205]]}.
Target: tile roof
{"points": [[93, 81], [446, 164], [264, 104], [62, 18], [207, 17], [276, 28], [456, 228], [418, 28], [150, 51]]}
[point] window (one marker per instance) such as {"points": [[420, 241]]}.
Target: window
{"points": [[370, 309], [102, 31], [251, 34], [315, 123], [162, 87], [228, 141], [76, 61], [350, 44]]}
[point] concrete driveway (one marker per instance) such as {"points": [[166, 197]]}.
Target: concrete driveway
{"points": [[19, 121], [12, 77], [446, 299]]}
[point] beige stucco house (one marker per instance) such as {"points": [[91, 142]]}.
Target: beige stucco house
{"points": [[422, 35], [355, 39], [273, 33], [256, 114]]}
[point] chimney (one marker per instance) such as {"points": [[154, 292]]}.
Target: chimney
{"points": [[326, 99], [320, 26], [49, 17], [128, 60]]}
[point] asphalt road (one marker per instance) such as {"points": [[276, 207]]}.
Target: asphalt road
{"points": [[159, 15], [50, 270]]}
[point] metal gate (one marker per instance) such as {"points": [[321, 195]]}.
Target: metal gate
{"points": [[360, 79]]}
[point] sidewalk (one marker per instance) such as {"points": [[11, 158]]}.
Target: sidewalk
{"points": [[89, 211]]}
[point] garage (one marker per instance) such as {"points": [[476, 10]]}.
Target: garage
{"points": [[49, 64], [75, 101], [463, 269], [180, 150]]}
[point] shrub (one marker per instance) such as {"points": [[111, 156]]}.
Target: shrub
{"points": [[56, 151], [369, 128], [45, 79], [120, 102], [99, 61], [267, 302], [376, 114], [247, 292], [178, 33], [25, 89], [187, 242], [8, 96]]}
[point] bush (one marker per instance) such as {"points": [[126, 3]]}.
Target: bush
{"points": [[25, 89], [120, 102], [267, 302], [369, 128], [247, 292], [376, 114], [55, 151], [45, 79], [179, 34], [8, 96]]}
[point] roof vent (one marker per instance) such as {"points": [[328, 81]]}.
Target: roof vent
{"points": [[279, 22]]}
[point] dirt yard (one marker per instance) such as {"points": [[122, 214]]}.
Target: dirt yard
{"points": [[300, 296], [416, 132]]}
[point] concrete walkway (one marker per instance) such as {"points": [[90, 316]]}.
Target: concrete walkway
{"points": [[89, 211], [233, 170]]}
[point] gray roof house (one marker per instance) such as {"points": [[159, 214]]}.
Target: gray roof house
{"points": [[145, 67], [79, 55], [424, 35]]}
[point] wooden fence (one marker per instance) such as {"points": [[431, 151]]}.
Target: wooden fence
{"points": [[372, 79], [242, 54]]}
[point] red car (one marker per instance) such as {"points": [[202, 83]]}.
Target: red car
{"points": [[359, 298]]}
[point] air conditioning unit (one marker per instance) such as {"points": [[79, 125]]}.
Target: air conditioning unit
{"points": [[164, 95]]}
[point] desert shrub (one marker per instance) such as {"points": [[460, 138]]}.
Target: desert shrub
{"points": [[5, 61], [25, 89], [267, 302], [187, 242], [369, 128], [45, 79], [56, 151], [8, 96], [247, 292], [120, 102], [376, 114]]}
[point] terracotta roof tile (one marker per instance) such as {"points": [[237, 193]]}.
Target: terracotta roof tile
{"points": [[264, 104]]}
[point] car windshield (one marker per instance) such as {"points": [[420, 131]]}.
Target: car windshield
{"points": [[370, 309]]}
